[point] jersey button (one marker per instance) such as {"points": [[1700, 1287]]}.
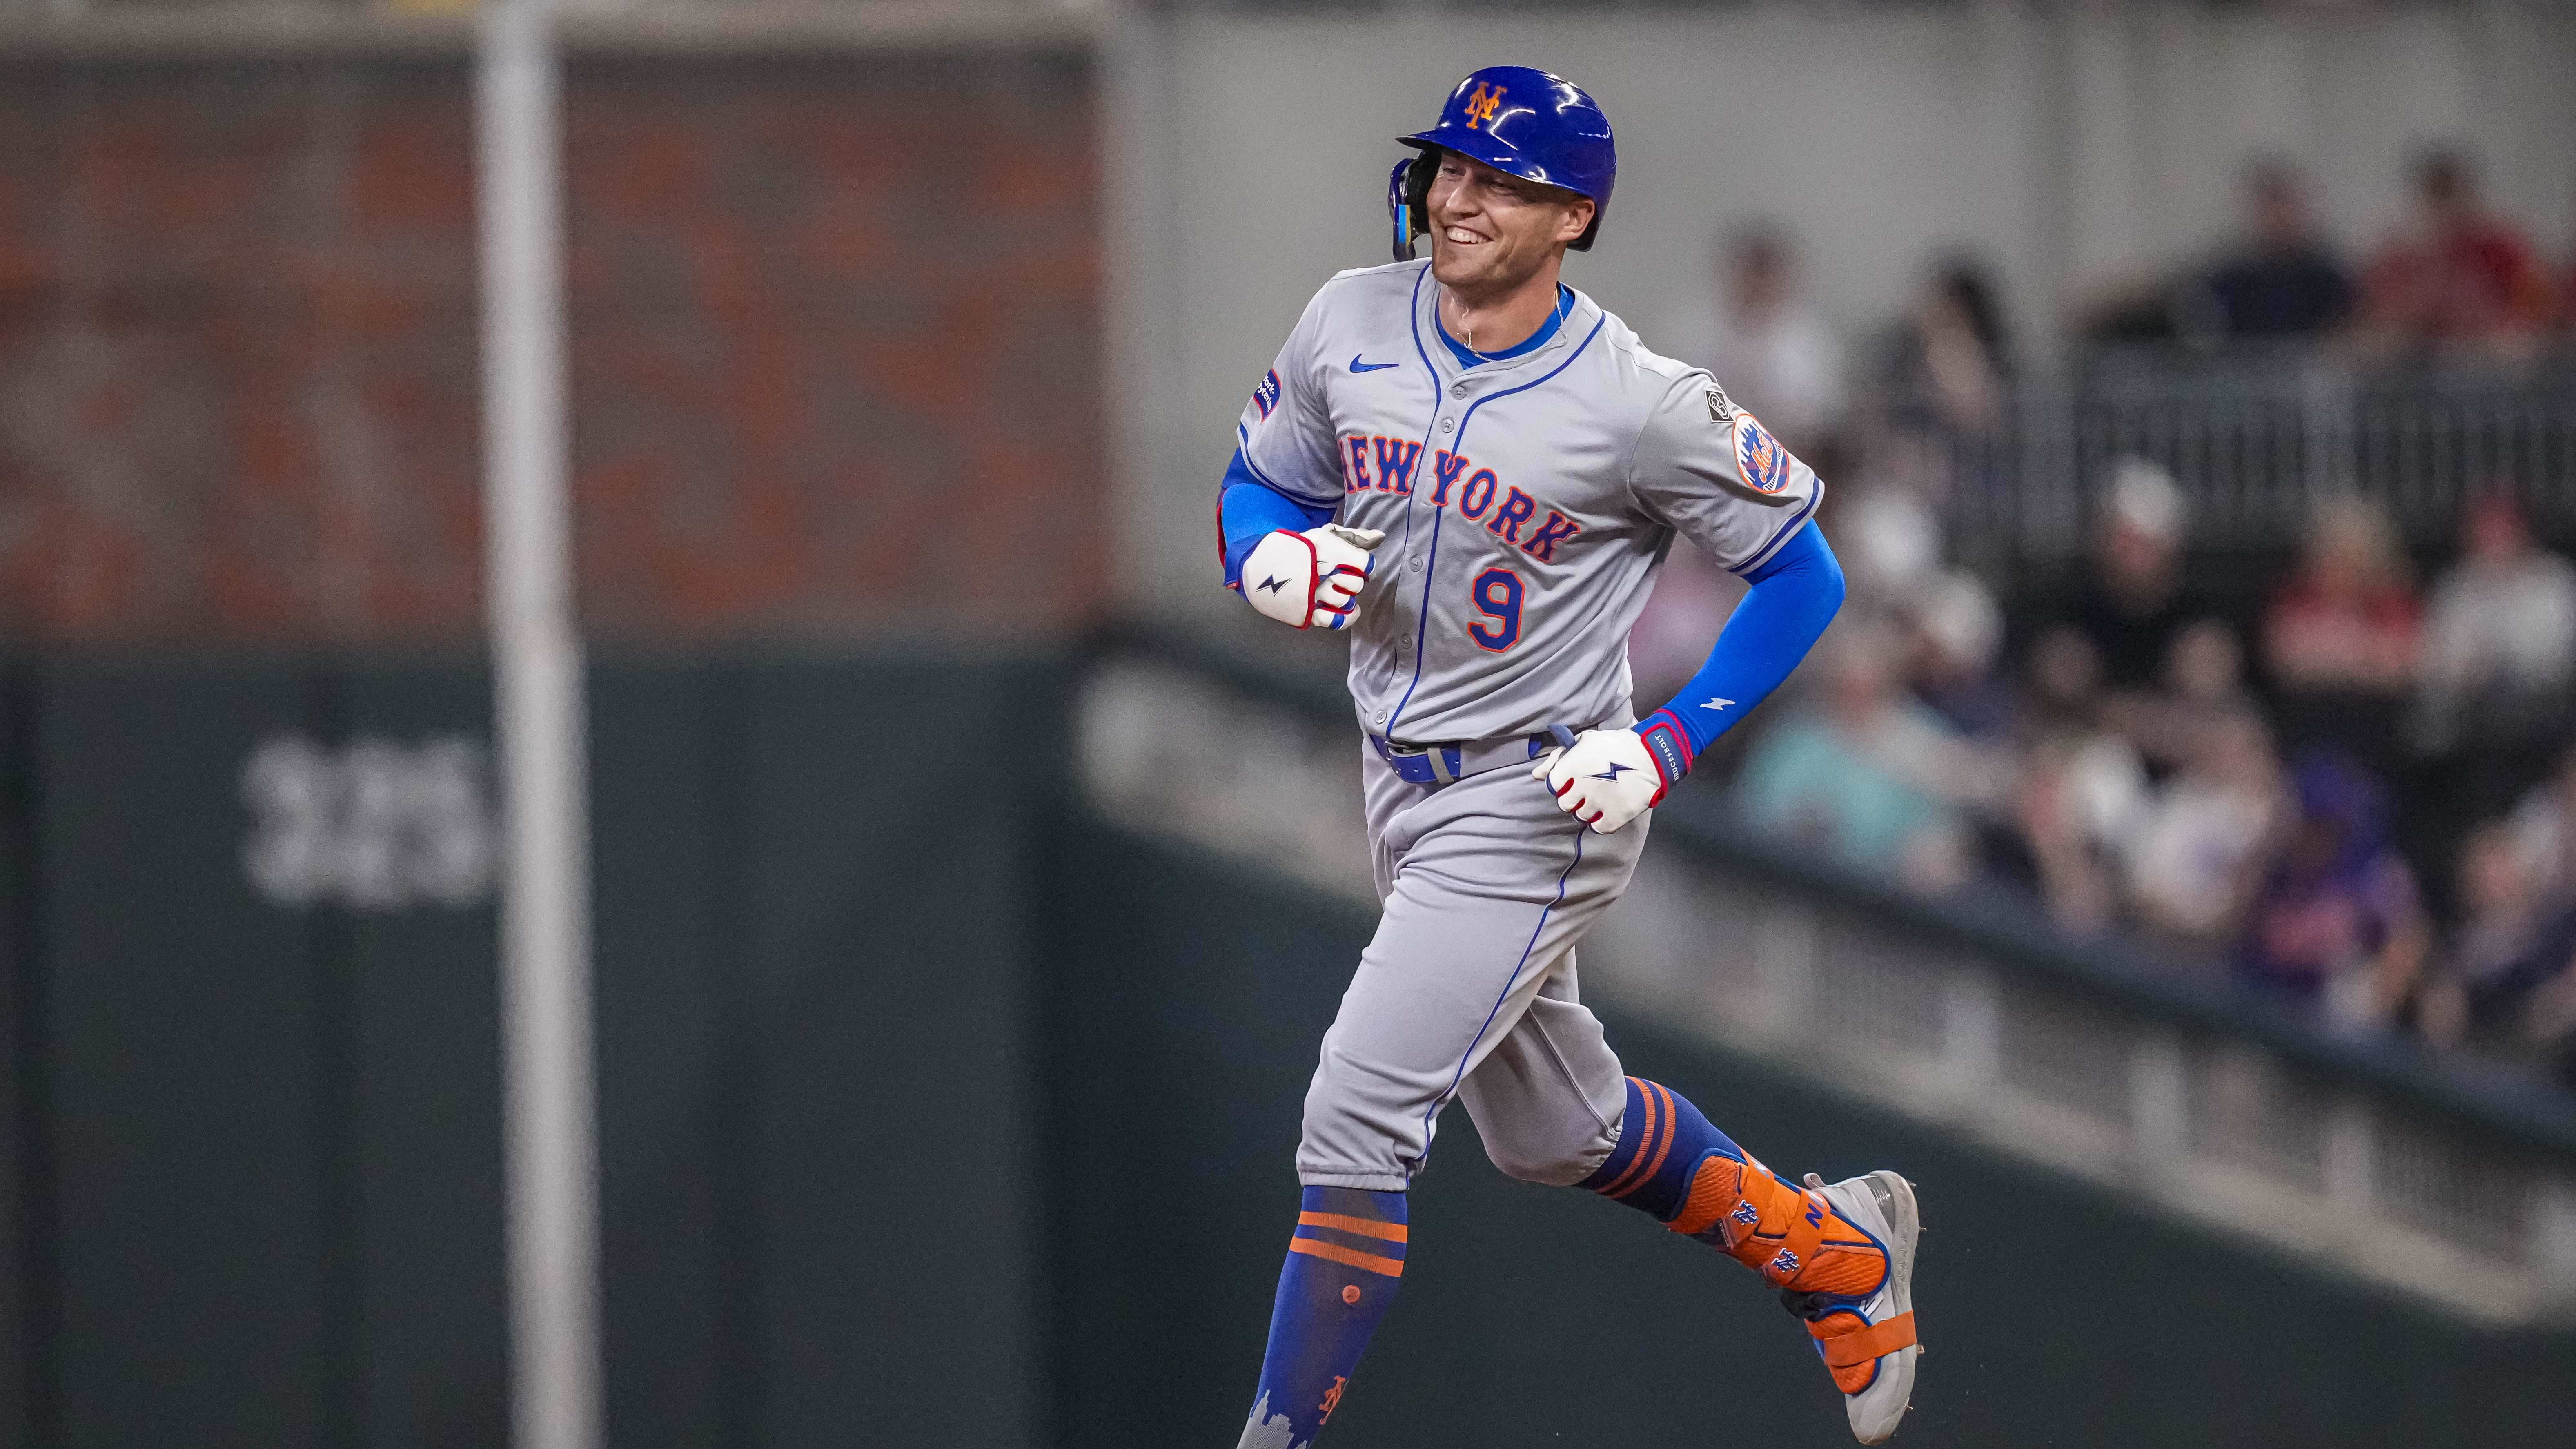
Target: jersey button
{"points": [[1448, 424], [1457, 389], [1414, 563]]}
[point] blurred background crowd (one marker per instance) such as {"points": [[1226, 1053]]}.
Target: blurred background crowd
{"points": [[2340, 771]]}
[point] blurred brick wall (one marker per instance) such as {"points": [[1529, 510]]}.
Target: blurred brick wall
{"points": [[237, 354], [834, 340], [835, 343]]}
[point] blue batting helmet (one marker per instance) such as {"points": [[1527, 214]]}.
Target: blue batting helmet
{"points": [[1524, 122]]}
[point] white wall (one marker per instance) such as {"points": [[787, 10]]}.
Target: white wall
{"points": [[2166, 101], [2072, 147]]}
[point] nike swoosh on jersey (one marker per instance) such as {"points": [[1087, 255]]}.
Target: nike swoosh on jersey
{"points": [[1359, 366]]}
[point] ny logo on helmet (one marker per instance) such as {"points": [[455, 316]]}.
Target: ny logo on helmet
{"points": [[1482, 105]]}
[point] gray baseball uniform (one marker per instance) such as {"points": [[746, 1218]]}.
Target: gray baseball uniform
{"points": [[1527, 503]]}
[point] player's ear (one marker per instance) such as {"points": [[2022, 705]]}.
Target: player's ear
{"points": [[1577, 220]]}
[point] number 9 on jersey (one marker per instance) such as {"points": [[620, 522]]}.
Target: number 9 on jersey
{"points": [[1497, 592]]}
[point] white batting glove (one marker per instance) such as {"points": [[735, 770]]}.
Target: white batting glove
{"points": [[1606, 780], [1312, 579]]}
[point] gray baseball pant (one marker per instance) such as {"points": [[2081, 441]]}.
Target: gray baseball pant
{"points": [[1468, 988]]}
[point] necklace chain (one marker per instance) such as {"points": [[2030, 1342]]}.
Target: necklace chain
{"points": [[1556, 315]]}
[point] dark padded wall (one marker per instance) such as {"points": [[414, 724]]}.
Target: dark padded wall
{"points": [[273, 1138], [816, 1049], [421, 1009], [1186, 999], [25, 1334], [258, 1145]]}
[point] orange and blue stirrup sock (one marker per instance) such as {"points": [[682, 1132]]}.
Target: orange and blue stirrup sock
{"points": [[1693, 1179], [1662, 1141], [1344, 1264]]}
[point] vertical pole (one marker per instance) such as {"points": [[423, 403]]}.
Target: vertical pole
{"points": [[548, 1133]]}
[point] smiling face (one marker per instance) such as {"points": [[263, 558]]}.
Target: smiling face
{"points": [[1492, 232]]}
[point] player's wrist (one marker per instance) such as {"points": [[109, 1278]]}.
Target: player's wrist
{"points": [[1668, 744]]}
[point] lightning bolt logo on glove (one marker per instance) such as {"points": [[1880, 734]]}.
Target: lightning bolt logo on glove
{"points": [[1630, 778], [1311, 579]]}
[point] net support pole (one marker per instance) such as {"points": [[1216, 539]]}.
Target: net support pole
{"points": [[549, 1136]]}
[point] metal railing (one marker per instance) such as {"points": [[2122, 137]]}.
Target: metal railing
{"points": [[2428, 1175], [2253, 436]]}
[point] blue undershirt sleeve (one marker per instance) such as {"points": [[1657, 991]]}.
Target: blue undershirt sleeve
{"points": [[1248, 510], [1795, 594]]}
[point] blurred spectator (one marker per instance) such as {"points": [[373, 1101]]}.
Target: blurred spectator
{"points": [[2281, 281], [2544, 831], [1772, 351], [1890, 544], [2134, 603], [2191, 858], [2336, 923], [1948, 366], [2204, 689], [2456, 279], [2547, 1029], [1865, 774], [1956, 633], [2081, 784], [2505, 982], [2341, 638], [2500, 639]]}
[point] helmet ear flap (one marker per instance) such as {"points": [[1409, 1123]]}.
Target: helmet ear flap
{"points": [[1408, 198]]}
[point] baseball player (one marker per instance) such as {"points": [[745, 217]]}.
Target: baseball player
{"points": [[1474, 471]]}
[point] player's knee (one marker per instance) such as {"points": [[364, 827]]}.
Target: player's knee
{"points": [[1552, 1162], [1356, 1127]]}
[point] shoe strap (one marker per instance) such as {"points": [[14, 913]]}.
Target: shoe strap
{"points": [[1808, 1217], [1848, 1343]]}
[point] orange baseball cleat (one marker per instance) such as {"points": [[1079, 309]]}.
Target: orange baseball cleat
{"points": [[1842, 1257], [1865, 1335]]}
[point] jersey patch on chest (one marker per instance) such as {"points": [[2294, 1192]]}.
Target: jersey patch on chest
{"points": [[1758, 455]]}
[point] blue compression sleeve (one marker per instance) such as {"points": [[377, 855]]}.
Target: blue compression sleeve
{"points": [[1793, 598], [1248, 510]]}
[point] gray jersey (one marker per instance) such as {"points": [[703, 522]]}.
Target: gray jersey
{"points": [[1526, 503]]}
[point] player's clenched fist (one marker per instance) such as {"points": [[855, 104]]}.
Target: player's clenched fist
{"points": [[1605, 780], [1312, 579]]}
